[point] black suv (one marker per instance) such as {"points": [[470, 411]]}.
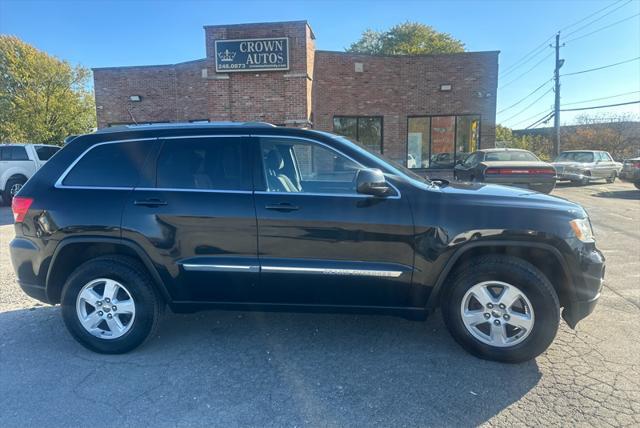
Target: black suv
{"points": [[122, 222]]}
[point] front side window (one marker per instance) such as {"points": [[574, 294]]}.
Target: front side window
{"points": [[293, 166], [217, 163], [110, 165], [367, 130]]}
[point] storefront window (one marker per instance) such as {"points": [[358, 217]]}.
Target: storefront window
{"points": [[441, 141], [418, 142], [365, 130], [443, 130], [467, 132]]}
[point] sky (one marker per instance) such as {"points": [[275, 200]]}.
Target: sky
{"points": [[118, 33]]}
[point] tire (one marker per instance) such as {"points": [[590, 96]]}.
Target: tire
{"points": [[544, 309], [137, 284], [637, 184], [13, 185], [612, 178]]}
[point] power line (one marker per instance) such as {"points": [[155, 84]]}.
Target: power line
{"points": [[600, 68], [526, 72], [536, 49], [592, 14], [604, 106], [597, 19], [601, 98], [533, 56], [530, 105], [522, 99], [530, 117], [602, 28], [545, 118]]}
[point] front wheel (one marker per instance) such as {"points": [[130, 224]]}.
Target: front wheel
{"points": [[612, 178], [110, 305], [501, 308]]}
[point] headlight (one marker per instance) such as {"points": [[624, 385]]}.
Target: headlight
{"points": [[582, 228]]}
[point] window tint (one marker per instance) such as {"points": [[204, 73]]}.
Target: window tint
{"points": [[45, 152], [506, 156], [110, 165], [473, 159], [16, 153], [299, 166], [205, 163]]}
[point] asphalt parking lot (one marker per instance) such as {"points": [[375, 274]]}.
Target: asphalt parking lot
{"points": [[264, 369]]}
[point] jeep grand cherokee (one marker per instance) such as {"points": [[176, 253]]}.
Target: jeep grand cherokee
{"points": [[124, 221]]}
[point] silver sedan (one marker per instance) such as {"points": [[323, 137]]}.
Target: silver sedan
{"points": [[584, 166]]}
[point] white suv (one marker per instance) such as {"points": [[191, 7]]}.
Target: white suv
{"points": [[18, 162]]}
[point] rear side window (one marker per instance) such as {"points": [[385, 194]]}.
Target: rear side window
{"points": [[110, 165], [45, 152], [216, 163], [16, 153]]}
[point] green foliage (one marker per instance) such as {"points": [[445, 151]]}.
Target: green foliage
{"points": [[42, 99], [409, 38]]}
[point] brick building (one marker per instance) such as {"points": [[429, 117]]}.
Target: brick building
{"points": [[423, 111]]}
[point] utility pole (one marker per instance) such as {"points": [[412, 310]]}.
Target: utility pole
{"points": [[556, 114]]}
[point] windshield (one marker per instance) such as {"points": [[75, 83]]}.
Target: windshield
{"points": [[401, 169], [511, 156], [583, 157]]}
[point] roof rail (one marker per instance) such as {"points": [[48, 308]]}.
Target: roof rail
{"points": [[185, 125]]}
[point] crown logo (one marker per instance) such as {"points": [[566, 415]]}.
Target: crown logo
{"points": [[226, 56]]}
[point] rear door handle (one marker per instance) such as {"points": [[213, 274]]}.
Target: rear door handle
{"points": [[152, 202], [284, 207]]}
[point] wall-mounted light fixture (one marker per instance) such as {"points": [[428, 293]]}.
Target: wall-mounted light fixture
{"points": [[135, 98], [445, 88]]}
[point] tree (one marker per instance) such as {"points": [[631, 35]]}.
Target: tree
{"points": [[409, 38], [42, 99]]}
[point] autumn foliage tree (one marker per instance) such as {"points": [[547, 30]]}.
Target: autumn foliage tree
{"points": [[42, 99], [409, 38]]}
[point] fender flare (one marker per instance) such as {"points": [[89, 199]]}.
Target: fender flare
{"points": [[434, 296], [146, 261]]}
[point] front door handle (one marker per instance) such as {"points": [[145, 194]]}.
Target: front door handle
{"points": [[152, 202], [284, 207]]}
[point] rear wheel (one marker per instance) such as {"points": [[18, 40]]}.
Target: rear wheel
{"points": [[545, 188], [637, 184], [501, 308], [109, 305], [11, 188]]}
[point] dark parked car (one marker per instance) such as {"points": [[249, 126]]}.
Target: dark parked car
{"points": [[125, 221], [511, 167], [631, 171], [584, 166]]}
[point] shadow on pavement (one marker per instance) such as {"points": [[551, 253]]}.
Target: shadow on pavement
{"points": [[633, 195], [6, 216], [268, 369]]}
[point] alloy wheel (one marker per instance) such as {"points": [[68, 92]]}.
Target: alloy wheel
{"points": [[497, 313], [13, 190], [105, 308]]}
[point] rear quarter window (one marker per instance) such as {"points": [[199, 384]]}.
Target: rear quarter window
{"points": [[110, 165], [45, 152]]}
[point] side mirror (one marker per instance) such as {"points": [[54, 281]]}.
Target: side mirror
{"points": [[459, 162], [371, 181]]}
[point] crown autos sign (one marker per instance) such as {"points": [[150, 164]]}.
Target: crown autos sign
{"points": [[252, 55]]}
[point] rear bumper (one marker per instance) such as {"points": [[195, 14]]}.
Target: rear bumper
{"points": [[588, 282], [632, 176], [30, 264], [534, 183]]}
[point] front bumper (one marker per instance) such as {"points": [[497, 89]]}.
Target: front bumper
{"points": [[572, 175], [588, 280]]}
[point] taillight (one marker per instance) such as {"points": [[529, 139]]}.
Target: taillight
{"points": [[529, 171], [636, 164], [20, 207]]}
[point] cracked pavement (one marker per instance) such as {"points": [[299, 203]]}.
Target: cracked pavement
{"points": [[272, 369]]}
